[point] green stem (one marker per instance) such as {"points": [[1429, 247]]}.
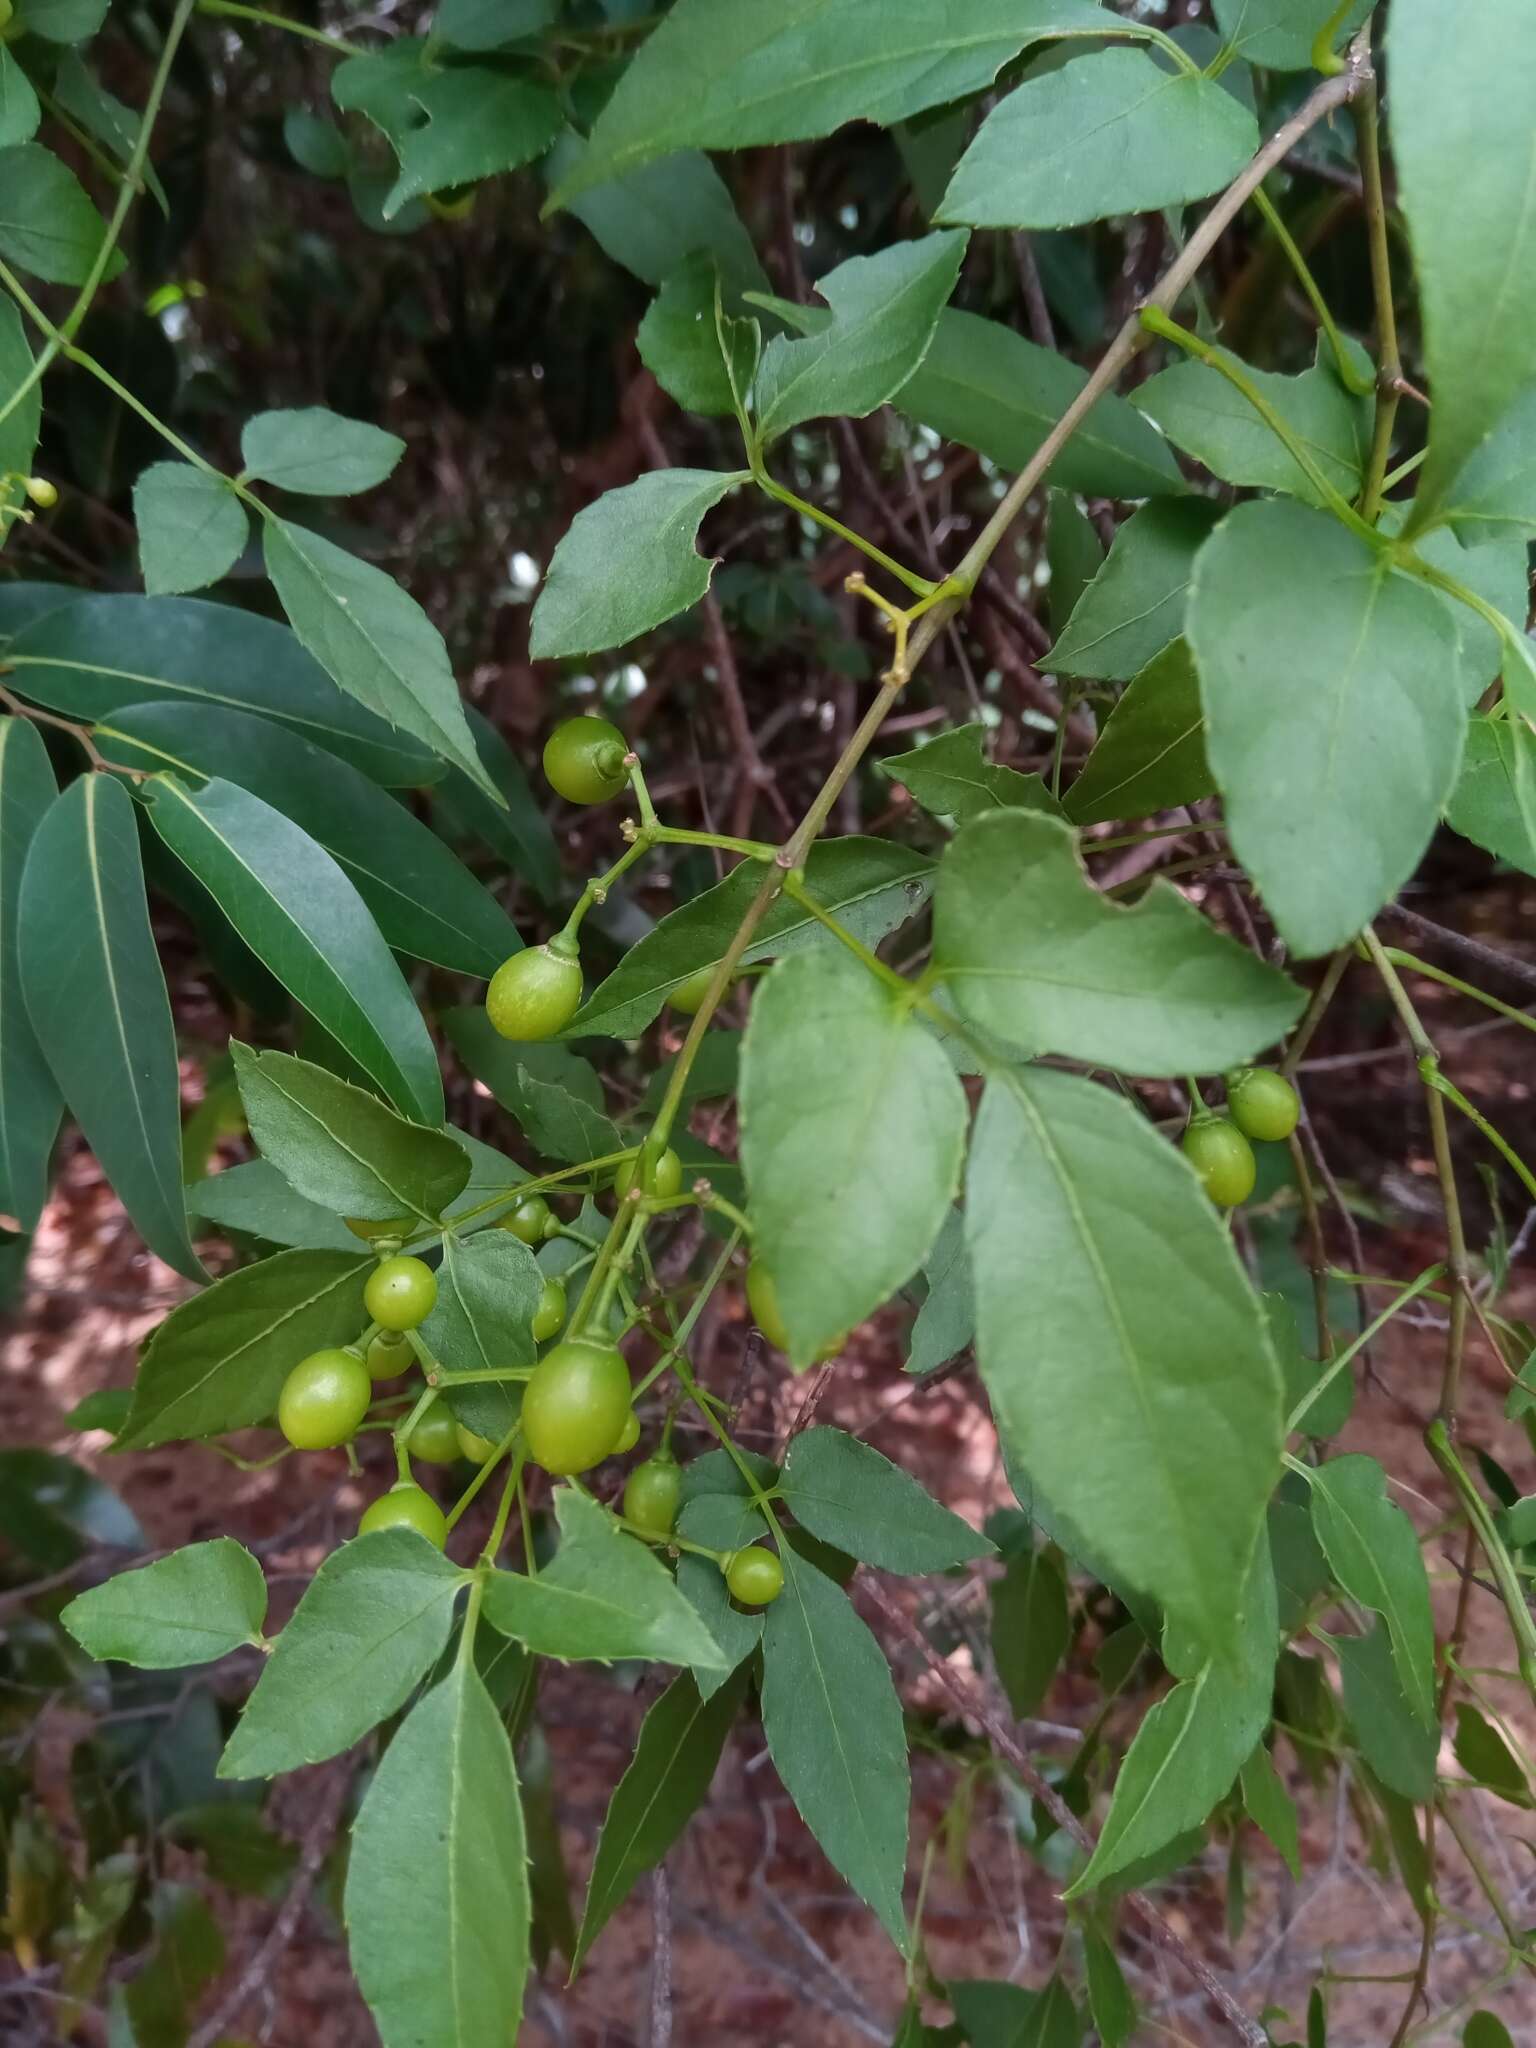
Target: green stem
{"points": [[676, 835], [648, 819], [1438, 1442], [920, 586], [1431, 1076], [797, 892], [1411, 960], [471, 1492], [513, 1195], [1352, 379], [1411, 1292], [1389, 378], [236, 11], [672, 1541], [597, 889]]}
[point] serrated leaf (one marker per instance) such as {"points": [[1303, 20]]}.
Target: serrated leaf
{"points": [[884, 312], [254, 1199], [218, 1362], [1270, 1807], [951, 777], [1461, 138], [603, 1595], [304, 920], [1137, 602], [317, 452], [70, 657], [1280, 33], [680, 340], [19, 110], [1494, 801], [19, 428], [834, 1729], [1487, 1758], [373, 639], [1031, 1625], [946, 1322], [488, 1289], [1152, 1404], [1150, 755], [1363, 667], [1074, 554], [628, 563], [1035, 955], [192, 527], [96, 998], [370, 1625], [48, 227], [869, 885], [340, 1146], [846, 1493], [1203, 413], [440, 1942], [666, 1782], [192, 1607], [1496, 488], [988, 388], [561, 1125], [725, 74], [736, 1632], [1374, 1551], [834, 1071], [1400, 1747], [479, 122], [30, 1103], [504, 1065], [1110, 132]]}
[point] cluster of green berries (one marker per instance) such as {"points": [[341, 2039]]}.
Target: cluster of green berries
{"points": [[1261, 1106]]}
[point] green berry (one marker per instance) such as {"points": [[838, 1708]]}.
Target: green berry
{"points": [[388, 1355], [549, 1316], [661, 1174], [405, 1506], [652, 1492], [755, 1576], [575, 1406], [478, 1449], [527, 1219], [323, 1400], [400, 1293], [434, 1436], [1223, 1158], [584, 759], [536, 993], [1263, 1104], [687, 998]]}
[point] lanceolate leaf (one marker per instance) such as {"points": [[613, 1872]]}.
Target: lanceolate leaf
{"points": [[1151, 752], [1375, 1555], [1035, 955], [192, 527], [437, 1888], [1487, 1758], [952, 778], [1113, 131], [1270, 1807], [1031, 1623], [946, 1322], [30, 1104], [1152, 1406], [628, 562], [668, 1779], [562, 1125], [1462, 88], [1314, 654], [372, 1622], [189, 1608], [846, 1493], [1136, 603], [219, 1361], [835, 1733], [1400, 1746], [340, 1146], [96, 997], [376, 641], [852, 1132], [1109, 1996]]}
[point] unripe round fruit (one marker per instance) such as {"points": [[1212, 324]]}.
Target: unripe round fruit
{"points": [[454, 202], [434, 1436], [400, 1293], [405, 1506], [365, 1227], [584, 760], [689, 995], [388, 1355], [755, 1576], [628, 1436], [652, 1492], [763, 1300], [575, 1406], [1223, 1158], [549, 1316], [536, 993], [323, 1400], [39, 490], [662, 1175], [1263, 1104], [476, 1448], [526, 1219]]}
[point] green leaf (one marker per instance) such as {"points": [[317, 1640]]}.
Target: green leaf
{"points": [[653, 218], [869, 885], [852, 1133], [1109, 1996], [19, 110], [115, 126], [488, 24], [370, 1625], [316, 144], [680, 340], [1374, 1551], [65, 21], [1074, 554], [1204, 414], [727, 74], [998, 2015], [951, 777], [188, 651], [561, 1125], [946, 1322], [506, 1066], [19, 429], [1280, 33], [1487, 1758], [1462, 88], [48, 226], [304, 920], [316, 452], [1314, 654], [154, 2008], [1496, 488], [340, 1147], [1494, 801], [96, 998], [1152, 1404], [1136, 603], [846, 1493], [478, 122], [30, 1103], [1486, 2030], [1034, 954], [1110, 132], [884, 312], [835, 1734], [52, 1511], [192, 527], [488, 1289], [735, 1631], [1270, 1807], [628, 563], [1031, 1624], [254, 1200], [424, 901], [374, 639], [437, 1904], [192, 1607], [1397, 1743], [667, 1781], [218, 1362], [1150, 755], [988, 388]]}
